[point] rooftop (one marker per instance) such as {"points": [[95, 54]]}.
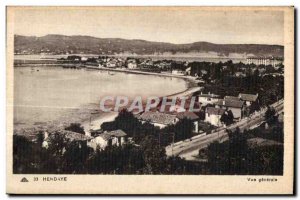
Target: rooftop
{"points": [[157, 117], [248, 97], [72, 136], [209, 95], [117, 133], [230, 103], [110, 134], [188, 115], [232, 98], [215, 111]]}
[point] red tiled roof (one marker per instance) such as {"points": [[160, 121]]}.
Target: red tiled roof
{"points": [[231, 98], [157, 117], [230, 103], [117, 133], [188, 115], [215, 111], [248, 97], [72, 136], [110, 134]]}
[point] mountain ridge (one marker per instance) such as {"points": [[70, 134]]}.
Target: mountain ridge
{"points": [[56, 43]]}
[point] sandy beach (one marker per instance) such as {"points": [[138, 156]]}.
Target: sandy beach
{"points": [[95, 122]]}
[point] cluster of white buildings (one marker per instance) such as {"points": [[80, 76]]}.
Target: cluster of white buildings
{"points": [[216, 107], [141, 63], [100, 140], [274, 61]]}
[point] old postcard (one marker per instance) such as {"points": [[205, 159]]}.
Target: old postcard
{"points": [[150, 100]]}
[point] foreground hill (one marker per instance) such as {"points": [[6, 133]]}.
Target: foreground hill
{"points": [[59, 44]]}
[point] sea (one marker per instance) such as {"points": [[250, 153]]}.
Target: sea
{"points": [[56, 96]]}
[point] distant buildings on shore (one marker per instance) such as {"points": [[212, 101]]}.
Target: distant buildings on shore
{"points": [[274, 61]]}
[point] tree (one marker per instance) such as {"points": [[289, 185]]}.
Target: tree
{"points": [[154, 156], [53, 157], [182, 129], [75, 127], [230, 116], [126, 159], [270, 115], [238, 150], [265, 160], [40, 138], [22, 154], [108, 126], [229, 157], [175, 165], [75, 156], [127, 122], [254, 107], [218, 159], [227, 117]]}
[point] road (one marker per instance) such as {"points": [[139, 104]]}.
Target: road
{"points": [[189, 148], [131, 71], [186, 93]]}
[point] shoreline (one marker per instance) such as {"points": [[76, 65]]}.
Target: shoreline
{"points": [[90, 125], [91, 67], [188, 78], [94, 121]]}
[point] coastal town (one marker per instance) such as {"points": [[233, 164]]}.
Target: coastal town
{"points": [[150, 100], [264, 65], [231, 99]]}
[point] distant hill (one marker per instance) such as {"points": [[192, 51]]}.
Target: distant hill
{"points": [[59, 44]]}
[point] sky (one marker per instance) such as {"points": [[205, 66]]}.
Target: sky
{"points": [[174, 25]]}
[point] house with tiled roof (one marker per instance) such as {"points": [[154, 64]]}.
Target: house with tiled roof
{"points": [[213, 115], [191, 116], [158, 119], [248, 98], [68, 135], [110, 138], [231, 98], [236, 107]]}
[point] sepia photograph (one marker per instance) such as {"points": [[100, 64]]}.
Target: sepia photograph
{"points": [[159, 95]]}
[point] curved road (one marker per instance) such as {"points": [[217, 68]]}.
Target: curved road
{"points": [[189, 148]]}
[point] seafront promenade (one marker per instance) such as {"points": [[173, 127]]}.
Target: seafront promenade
{"points": [[190, 78]]}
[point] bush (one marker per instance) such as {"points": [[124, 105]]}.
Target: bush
{"points": [[75, 127]]}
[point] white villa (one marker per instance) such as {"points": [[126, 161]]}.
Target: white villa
{"points": [[209, 98], [158, 119], [213, 116], [116, 137]]}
